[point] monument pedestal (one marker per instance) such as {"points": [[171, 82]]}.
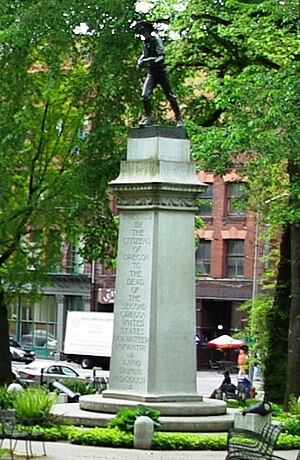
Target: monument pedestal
{"points": [[154, 354]]}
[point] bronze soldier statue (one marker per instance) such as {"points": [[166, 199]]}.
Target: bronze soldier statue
{"points": [[153, 57]]}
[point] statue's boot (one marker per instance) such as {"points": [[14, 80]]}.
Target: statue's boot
{"points": [[147, 122], [176, 110], [148, 111], [179, 122]]}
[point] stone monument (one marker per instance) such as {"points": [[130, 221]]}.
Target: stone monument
{"points": [[154, 353], [153, 358]]}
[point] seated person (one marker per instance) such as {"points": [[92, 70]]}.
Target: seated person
{"points": [[226, 386]]}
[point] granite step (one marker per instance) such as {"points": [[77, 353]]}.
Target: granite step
{"points": [[72, 413]]}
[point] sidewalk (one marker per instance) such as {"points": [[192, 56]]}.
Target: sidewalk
{"points": [[65, 451]]}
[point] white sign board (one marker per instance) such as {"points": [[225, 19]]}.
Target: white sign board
{"points": [[89, 333]]}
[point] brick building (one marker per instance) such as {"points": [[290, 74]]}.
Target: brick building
{"points": [[225, 260]]}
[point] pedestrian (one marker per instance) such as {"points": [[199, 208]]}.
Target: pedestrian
{"points": [[153, 58], [242, 361], [256, 367]]}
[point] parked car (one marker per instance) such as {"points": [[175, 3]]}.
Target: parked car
{"points": [[18, 353], [41, 372], [15, 373], [40, 338]]}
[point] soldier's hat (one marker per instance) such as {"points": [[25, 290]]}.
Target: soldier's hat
{"points": [[144, 25]]}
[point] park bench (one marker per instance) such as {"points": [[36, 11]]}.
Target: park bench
{"points": [[229, 366], [18, 430], [214, 365], [249, 445]]}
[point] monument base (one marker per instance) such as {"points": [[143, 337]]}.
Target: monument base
{"points": [[151, 397], [208, 421], [96, 403], [203, 415]]}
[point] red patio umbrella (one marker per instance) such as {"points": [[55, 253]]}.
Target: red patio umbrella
{"points": [[225, 341]]}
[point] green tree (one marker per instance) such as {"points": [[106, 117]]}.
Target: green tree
{"points": [[239, 72], [64, 100], [277, 325]]}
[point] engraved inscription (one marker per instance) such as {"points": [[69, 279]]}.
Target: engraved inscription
{"points": [[132, 334]]}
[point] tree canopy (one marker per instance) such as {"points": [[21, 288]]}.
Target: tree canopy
{"points": [[237, 67], [65, 96]]}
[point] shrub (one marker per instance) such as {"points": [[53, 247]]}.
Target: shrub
{"points": [[114, 437], [6, 398], [167, 441], [126, 417], [294, 405], [250, 402], [189, 441], [34, 405], [102, 437], [79, 386], [233, 404], [60, 432], [292, 426], [287, 442], [276, 410]]}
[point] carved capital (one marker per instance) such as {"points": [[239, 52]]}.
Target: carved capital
{"points": [[161, 196]]}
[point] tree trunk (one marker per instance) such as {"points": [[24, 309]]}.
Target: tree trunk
{"points": [[293, 361], [278, 323], [5, 361]]}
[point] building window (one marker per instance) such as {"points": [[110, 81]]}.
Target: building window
{"points": [[235, 258], [205, 208], [73, 261], [74, 303], [34, 323], [235, 192], [203, 257]]}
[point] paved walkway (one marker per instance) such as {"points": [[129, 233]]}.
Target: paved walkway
{"points": [[65, 451]]}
